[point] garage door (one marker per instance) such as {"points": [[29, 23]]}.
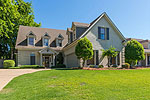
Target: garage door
{"points": [[72, 60]]}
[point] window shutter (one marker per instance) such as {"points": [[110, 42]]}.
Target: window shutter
{"points": [[107, 33], [99, 32], [97, 57]]}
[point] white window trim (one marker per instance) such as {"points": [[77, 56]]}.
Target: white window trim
{"points": [[43, 41], [33, 40]]}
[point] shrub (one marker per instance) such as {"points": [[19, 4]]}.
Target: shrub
{"points": [[91, 66], [59, 66], [31, 66], [14, 67], [126, 66], [100, 66], [9, 63], [115, 66]]}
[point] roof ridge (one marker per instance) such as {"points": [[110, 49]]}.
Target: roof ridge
{"points": [[40, 27]]}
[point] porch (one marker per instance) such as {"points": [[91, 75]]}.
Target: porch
{"points": [[47, 57]]}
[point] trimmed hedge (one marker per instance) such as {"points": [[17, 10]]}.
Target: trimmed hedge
{"points": [[100, 66], [8, 63], [91, 66], [31, 66], [59, 66]]}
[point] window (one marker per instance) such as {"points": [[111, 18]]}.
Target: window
{"points": [[60, 43], [46, 42], [71, 37], [32, 59], [103, 33], [31, 40]]}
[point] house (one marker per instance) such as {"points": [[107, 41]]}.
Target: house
{"points": [[146, 45], [41, 46]]}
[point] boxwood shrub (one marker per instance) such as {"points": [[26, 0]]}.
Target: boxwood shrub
{"points": [[8, 63], [126, 66], [100, 66]]}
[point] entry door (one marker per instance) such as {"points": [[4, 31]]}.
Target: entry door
{"points": [[47, 62]]}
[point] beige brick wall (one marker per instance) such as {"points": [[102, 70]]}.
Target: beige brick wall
{"points": [[24, 57]]}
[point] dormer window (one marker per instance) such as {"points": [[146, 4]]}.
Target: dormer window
{"points": [[60, 43], [31, 38], [59, 40], [46, 39]]}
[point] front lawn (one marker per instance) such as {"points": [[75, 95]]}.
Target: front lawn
{"points": [[80, 84]]}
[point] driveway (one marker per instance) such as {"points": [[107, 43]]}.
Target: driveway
{"points": [[6, 75]]}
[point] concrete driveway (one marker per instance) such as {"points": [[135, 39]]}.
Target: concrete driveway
{"points": [[6, 75]]}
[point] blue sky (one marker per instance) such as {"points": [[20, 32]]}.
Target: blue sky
{"points": [[132, 17]]}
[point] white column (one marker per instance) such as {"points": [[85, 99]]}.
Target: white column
{"points": [[94, 57], [120, 59], [53, 59], [146, 59], [41, 59]]}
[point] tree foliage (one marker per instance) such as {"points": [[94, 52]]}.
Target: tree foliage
{"points": [[13, 13], [84, 50], [109, 53], [134, 52]]}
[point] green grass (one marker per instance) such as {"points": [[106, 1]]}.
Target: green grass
{"points": [[80, 85]]}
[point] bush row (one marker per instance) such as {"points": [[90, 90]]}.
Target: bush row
{"points": [[59, 66]]}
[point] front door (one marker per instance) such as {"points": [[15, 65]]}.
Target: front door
{"points": [[47, 62]]}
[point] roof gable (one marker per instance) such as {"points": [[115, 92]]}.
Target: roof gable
{"points": [[93, 23]]}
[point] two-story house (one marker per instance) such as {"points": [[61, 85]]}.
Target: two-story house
{"points": [[40, 46], [146, 45]]}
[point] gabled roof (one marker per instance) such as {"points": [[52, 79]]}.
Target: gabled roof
{"points": [[91, 25], [97, 20]]}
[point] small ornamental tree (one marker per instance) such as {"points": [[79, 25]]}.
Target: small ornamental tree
{"points": [[109, 53], [134, 52], [84, 50]]}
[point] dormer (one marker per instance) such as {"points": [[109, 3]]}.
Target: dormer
{"points": [[31, 39], [45, 39], [70, 35], [59, 40]]}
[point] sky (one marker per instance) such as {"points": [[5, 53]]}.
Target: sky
{"points": [[132, 17]]}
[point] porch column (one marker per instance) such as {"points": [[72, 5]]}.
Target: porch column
{"points": [[94, 57], [54, 59], [120, 59], [146, 59], [41, 59]]}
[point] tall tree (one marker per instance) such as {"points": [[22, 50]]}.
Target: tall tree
{"points": [[134, 52], [109, 53], [84, 50], [14, 13]]}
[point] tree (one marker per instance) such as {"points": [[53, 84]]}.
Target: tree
{"points": [[134, 52], [14, 13], [109, 53], [84, 50]]}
